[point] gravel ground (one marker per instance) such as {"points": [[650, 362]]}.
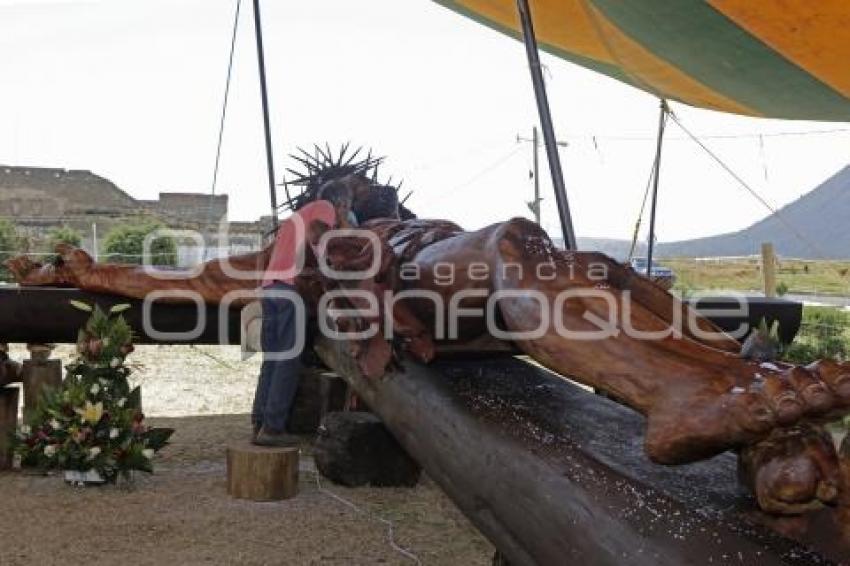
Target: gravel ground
{"points": [[182, 514]]}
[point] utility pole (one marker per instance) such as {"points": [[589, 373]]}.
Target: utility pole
{"points": [[533, 56], [94, 240], [656, 173], [534, 205]]}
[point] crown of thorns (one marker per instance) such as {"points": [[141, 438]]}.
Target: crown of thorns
{"points": [[322, 166]]}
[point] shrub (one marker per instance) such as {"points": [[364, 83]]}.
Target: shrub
{"points": [[9, 246], [823, 334], [125, 244], [64, 235], [781, 289]]}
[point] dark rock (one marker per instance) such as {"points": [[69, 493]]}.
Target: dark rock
{"points": [[356, 449]]}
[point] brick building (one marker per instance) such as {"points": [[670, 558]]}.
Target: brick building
{"points": [[38, 200]]}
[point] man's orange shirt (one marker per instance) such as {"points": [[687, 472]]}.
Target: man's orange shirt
{"points": [[291, 238]]}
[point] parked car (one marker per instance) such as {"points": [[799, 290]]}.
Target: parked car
{"points": [[658, 273]]}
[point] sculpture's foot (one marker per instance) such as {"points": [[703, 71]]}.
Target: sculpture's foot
{"points": [[793, 471], [694, 420]]}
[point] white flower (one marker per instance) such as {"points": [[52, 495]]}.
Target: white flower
{"points": [[95, 389], [106, 341], [103, 383], [94, 451], [55, 425], [114, 432], [148, 453], [114, 363], [50, 450], [26, 429], [121, 401]]}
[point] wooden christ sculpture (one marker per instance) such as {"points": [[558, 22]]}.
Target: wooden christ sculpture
{"points": [[700, 397]]}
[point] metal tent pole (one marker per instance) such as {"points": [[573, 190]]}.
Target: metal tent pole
{"points": [[546, 124], [662, 121], [261, 61]]}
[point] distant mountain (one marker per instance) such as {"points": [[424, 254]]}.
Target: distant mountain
{"points": [[821, 216], [618, 249]]}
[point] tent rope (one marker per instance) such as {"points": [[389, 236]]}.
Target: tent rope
{"points": [[755, 194], [222, 119]]}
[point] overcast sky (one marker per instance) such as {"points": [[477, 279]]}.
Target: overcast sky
{"points": [[132, 90]]}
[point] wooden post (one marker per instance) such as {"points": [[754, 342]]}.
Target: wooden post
{"points": [[8, 422], [10, 370], [262, 474], [768, 269], [38, 374], [319, 392]]}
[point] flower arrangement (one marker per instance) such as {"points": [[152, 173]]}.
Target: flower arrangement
{"points": [[93, 422]]}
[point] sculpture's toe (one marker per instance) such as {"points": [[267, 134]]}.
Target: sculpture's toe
{"points": [[836, 376], [753, 411], [781, 397], [816, 396]]}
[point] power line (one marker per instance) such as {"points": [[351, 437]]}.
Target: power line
{"points": [[488, 169], [748, 188], [749, 135]]}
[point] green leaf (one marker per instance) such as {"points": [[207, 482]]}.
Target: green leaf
{"points": [[134, 399], [157, 438], [119, 308], [85, 307]]}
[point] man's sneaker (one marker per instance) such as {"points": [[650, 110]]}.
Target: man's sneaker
{"points": [[276, 439]]}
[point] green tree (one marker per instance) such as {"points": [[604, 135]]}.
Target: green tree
{"points": [[64, 235], [9, 246], [125, 244]]}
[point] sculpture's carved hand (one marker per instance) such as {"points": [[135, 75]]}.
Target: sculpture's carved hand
{"points": [[69, 269]]}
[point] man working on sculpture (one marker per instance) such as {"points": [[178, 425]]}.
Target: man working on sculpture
{"points": [[278, 379]]}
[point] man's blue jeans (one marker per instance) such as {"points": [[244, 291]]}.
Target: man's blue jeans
{"points": [[278, 378]]}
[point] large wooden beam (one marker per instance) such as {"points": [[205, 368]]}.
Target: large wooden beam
{"points": [[45, 315], [553, 474]]}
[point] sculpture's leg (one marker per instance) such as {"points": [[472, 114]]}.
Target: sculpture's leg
{"points": [[698, 400]]}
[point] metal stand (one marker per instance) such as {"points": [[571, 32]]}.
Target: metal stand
{"points": [[261, 61], [546, 124], [662, 122]]}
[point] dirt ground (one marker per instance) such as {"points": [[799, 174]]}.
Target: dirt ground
{"points": [[182, 514]]}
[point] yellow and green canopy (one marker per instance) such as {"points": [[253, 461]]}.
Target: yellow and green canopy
{"points": [[772, 58]]}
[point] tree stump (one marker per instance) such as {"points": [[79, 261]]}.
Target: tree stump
{"points": [[319, 392], [355, 449], [260, 473], [8, 422]]}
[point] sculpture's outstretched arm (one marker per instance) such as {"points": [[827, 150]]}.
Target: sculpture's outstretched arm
{"points": [[211, 280]]}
